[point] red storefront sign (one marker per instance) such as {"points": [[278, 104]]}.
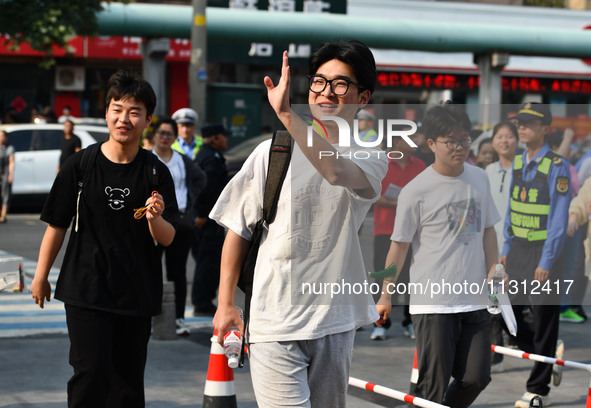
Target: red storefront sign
{"points": [[104, 47]]}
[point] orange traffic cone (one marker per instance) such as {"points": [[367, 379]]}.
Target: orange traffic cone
{"points": [[219, 386]]}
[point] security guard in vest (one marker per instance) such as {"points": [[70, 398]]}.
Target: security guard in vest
{"points": [[535, 232], [366, 132], [187, 142]]}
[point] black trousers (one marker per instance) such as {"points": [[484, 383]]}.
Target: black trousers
{"points": [[453, 345], [175, 258], [207, 252], [108, 353], [496, 337], [541, 337]]}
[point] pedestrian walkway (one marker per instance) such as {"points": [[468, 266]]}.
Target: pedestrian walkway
{"points": [[20, 316]]}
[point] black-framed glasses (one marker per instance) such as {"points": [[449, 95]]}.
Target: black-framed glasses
{"points": [[452, 144], [338, 86]]}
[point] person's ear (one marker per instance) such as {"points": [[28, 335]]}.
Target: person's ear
{"points": [[363, 98], [431, 144]]}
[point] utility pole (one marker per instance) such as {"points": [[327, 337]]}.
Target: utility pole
{"points": [[154, 52], [489, 96], [198, 63]]}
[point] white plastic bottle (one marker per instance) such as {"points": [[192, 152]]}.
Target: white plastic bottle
{"points": [[493, 306], [233, 344]]}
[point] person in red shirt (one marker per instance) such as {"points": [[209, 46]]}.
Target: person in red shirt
{"points": [[400, 172]]}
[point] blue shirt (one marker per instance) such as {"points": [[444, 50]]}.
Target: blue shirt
{"points": [[559, 203], [187, 147]]}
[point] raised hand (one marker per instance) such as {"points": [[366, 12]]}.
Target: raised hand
{"points": [[279, 95]]}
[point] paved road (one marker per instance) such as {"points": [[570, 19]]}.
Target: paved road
{"points": [[34, 353], [19, 315]]}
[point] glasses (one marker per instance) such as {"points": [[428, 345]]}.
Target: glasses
{"points": [[165, 134], [452, 144], [338, 86]]}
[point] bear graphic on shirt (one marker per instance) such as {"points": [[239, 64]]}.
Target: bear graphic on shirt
{"points": [[116, 197]]}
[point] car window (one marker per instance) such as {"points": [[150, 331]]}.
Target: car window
{"points": [[99, 136], [20, 139], [46, 139]]}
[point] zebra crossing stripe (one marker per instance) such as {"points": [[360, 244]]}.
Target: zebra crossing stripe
{"points": [[20, 316]]}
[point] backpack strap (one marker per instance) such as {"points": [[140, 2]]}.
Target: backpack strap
{"points": [[87, 163], [86, 166], [152, 179], [279, 157]]}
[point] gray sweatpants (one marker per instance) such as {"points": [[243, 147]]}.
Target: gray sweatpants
{"points": [[305, 373]]}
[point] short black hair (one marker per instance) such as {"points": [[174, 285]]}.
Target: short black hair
{"points": [[353, 53], [127, 84], [441, 120], [169, 121], [508, 124], [555, 138]]}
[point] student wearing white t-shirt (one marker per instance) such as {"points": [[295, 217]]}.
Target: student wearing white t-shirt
{"points": [[448, 215], [301, 343]]}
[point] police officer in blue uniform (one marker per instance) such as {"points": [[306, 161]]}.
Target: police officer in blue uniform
{"points": [[209, 236], [187, 143], [535, 232]]}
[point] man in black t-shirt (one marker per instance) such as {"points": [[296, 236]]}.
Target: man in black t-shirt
{"points": [[70, 143], [111, 276]]}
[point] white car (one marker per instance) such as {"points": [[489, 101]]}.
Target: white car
{"points": [[37, 151]]}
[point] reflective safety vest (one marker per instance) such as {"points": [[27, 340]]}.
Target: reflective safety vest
{"points": [[530, 201], [176, 146], [370, 134]]}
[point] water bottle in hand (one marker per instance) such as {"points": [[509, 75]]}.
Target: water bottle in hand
{"points": [[233, 344], [493, 306]]}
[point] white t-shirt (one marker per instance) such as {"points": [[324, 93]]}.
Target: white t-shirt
{"points": [[500, 184], [312, 241], [176, 166], [444, 218]]}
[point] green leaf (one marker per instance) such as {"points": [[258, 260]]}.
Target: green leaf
{"points": [[43, 24]]}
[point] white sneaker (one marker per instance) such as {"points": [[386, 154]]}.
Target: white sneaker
{"points": [[379, 333], [497, 368], [181, 328], [557, 369], [525, 400], [409, 331]]}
